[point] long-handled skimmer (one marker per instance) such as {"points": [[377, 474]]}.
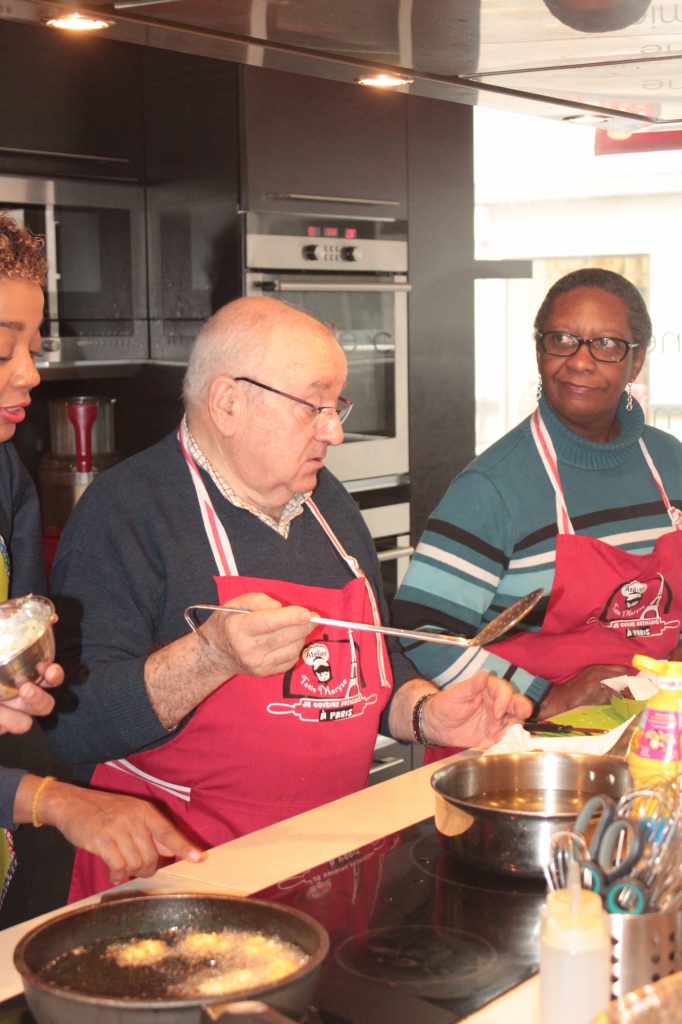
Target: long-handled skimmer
{"points": [[494, 629]]}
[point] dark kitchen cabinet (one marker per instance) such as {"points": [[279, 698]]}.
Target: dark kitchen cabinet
{"points": [[305, 137], [441, 305], [72, 105], [194, 262]]}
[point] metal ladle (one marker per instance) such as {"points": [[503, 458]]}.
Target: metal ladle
{"points": [[494, 629]]}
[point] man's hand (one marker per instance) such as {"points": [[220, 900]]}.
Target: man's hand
{"points": [[474, 713], [265, 642], [16, 714], [583, 688], [127, 833]]}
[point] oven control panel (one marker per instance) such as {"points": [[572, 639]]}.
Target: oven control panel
{"points": [[331, 253], [293, 242]]}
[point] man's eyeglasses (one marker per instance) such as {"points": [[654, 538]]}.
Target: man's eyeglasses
{"points": [[341, 409], [604, 350]]}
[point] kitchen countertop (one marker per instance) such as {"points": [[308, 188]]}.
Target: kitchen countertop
{"points": [[249, 864]]}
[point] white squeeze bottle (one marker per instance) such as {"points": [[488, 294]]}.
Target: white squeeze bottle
{"points": [[575, 955]]}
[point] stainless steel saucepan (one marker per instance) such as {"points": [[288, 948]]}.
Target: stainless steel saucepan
{"points": [[492, 631], [498, 812]]}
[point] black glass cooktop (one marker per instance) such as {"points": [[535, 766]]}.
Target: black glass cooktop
{"points": [[415, 936]]}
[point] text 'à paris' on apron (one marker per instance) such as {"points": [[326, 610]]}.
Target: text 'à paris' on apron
{"points": [[606, 604], [262, 749]]}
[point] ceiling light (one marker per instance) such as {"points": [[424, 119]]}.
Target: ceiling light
{"points": [[384, 80], [77, 22], [587, 119]]}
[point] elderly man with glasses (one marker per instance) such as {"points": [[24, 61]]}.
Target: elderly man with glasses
{"points": [[229, 725]]}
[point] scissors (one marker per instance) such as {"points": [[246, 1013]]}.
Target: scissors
{"points": [[616, 847]]}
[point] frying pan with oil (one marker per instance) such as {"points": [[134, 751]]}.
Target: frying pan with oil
{"points": [[136, 916]]}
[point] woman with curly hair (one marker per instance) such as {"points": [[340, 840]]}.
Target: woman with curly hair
{"points": [[128, 834]]}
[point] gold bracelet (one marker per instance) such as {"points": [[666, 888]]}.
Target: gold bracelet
{"points": [[37, 823]]}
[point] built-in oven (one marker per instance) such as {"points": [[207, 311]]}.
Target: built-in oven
{"points": [[96, 296], [351, 273]]}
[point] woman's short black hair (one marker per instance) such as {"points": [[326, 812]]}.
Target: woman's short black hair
{"points": [[608, 281]]}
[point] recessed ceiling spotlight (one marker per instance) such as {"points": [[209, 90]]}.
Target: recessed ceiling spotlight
{"points": [[76, 22], [587, 119], [385, 80]]}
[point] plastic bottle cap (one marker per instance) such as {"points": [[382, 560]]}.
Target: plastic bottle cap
{"points": [[668, 669], [574, 919]]}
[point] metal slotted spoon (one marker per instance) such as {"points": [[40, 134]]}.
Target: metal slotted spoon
{"points": [[494, 629]]}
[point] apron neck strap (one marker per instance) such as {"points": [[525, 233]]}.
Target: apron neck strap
{"points": [[351, 562], [215, 531], [545, 447], [354, 567], [674, 513]]}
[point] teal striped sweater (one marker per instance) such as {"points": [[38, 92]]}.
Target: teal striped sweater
{"points": [[491, 539]]}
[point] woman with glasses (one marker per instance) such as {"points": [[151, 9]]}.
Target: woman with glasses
{"points": [[581, 499]]}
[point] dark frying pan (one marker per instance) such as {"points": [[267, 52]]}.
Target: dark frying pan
{"points": [[121, 919]]}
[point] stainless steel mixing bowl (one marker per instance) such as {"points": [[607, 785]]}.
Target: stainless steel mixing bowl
{"points": [[21, 666], [498, 812]]}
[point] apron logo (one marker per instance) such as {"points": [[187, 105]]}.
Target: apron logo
{"points": [[327, 679], [635, 608], [632, 593], [318, 657]]}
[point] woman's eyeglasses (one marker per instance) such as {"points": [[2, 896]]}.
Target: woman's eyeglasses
{"points": [[604, 350], [341, 409]]}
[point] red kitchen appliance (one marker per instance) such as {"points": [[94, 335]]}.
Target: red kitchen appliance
{"points": [[82, 446]]}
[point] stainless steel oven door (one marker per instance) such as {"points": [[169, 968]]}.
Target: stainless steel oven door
{"points": [[369, 317]]}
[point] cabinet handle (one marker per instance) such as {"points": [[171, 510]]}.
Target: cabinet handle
{"points": [[305, 285], [393, 554], [306, 197], [68, 156]]}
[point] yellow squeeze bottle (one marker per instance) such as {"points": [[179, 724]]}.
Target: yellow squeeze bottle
{"points": [[654, 751]]}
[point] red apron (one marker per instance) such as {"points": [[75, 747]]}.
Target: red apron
{"points": [[261, 749], [606, 604]]}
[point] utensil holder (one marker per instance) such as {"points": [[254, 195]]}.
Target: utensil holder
{"points": [[645, 947]]}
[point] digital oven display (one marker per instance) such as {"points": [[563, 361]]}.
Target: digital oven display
{"points": [[330, 231]]}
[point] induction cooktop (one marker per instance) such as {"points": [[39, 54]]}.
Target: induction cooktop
{"points": [[415, 936]]}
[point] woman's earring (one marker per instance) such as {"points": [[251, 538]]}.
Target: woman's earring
{"points": [[628, 392], [538, 390]]}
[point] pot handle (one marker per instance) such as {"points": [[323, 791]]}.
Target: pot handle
{"points": [[248, 1011]]}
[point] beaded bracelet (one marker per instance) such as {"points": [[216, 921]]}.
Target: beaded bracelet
{"points": [[37, 823], [417, 713]]}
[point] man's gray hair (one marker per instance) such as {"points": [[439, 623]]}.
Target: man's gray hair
{"points": [[231, 342]]}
